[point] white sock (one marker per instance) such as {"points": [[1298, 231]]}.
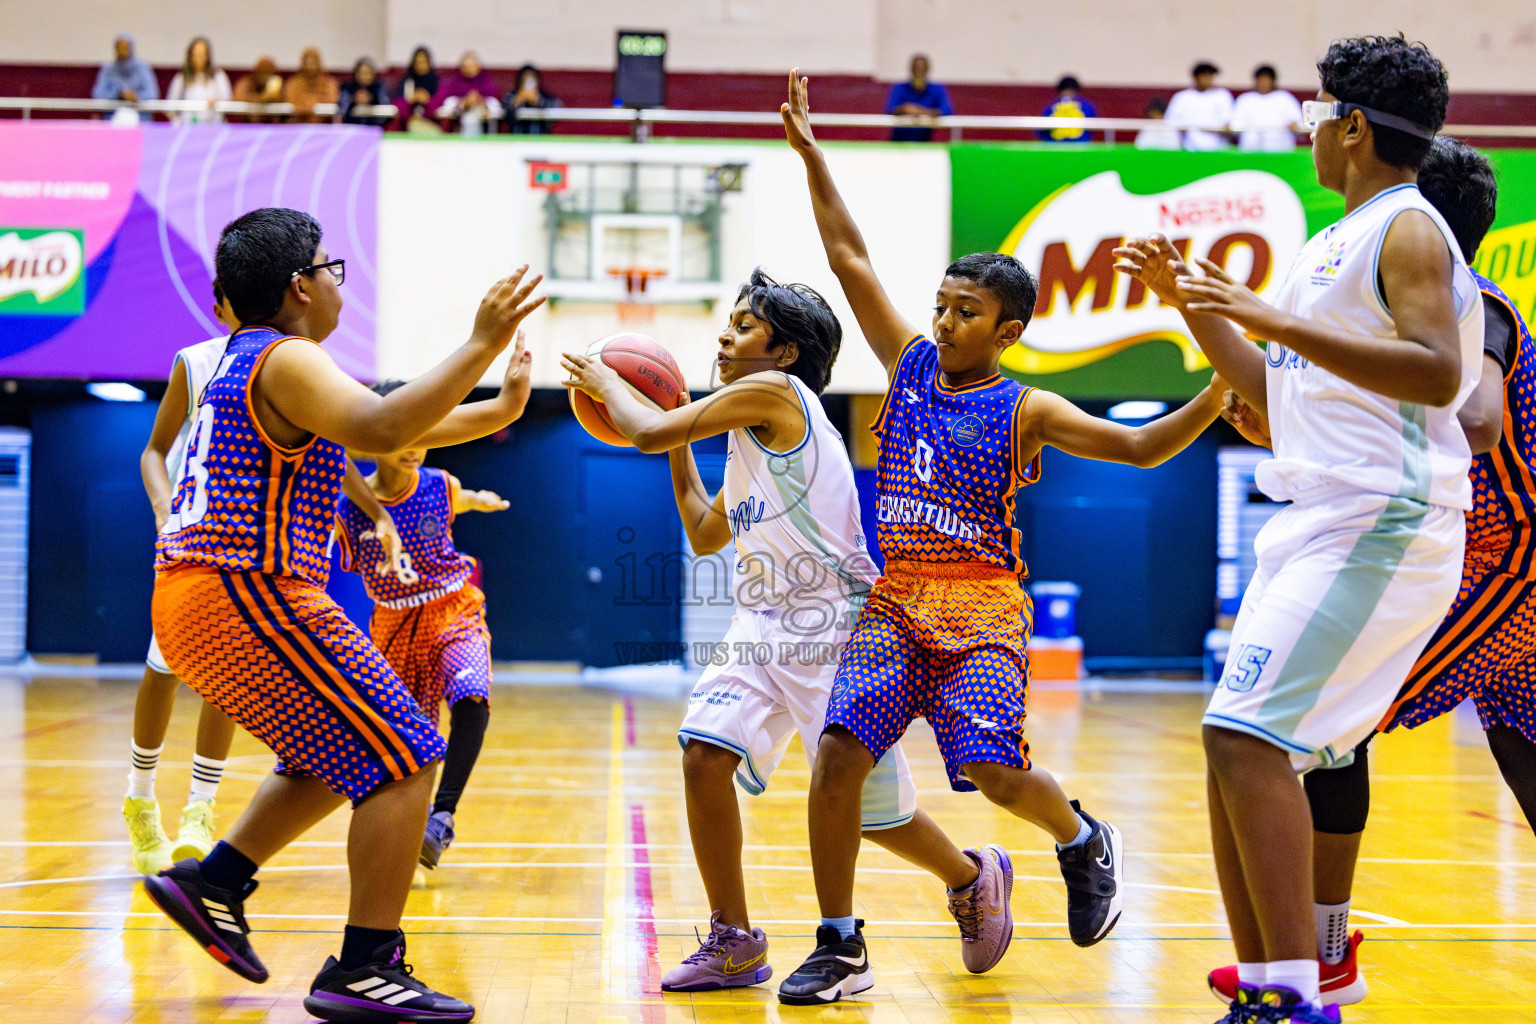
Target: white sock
{"points": [[1300, 975], [1251, 974], [1332, 931], [1084, 830], [141, 771], [206, 773]]}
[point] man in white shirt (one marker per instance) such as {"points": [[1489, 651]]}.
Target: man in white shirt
{"points": [[1200, 108], [1267, 117]]}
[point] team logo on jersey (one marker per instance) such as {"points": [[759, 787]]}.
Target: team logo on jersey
{"points": [[745, 514], [1328, 266], [922, 461], [430, 526], [966, 431], [910, 395]]}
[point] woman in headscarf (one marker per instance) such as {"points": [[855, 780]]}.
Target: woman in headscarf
{"points": [[262, 85], [364, 89], [126, 77], [530, 95], [199, 80], [417, 90], [470, 95], [310, 85]]}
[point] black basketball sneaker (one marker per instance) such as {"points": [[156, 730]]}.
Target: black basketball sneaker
{"points": [[381, 992], [839, 967], [214, 917], [1095, 890]]}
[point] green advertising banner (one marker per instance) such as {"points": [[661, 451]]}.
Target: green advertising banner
{"points": [[1098, 334], [42, 271]]}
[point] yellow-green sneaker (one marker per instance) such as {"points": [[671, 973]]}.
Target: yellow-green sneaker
{"points": [[151, 846], [195, 836]]}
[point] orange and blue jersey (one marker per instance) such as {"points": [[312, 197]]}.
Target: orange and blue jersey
{"points": [[949, 466], [242, 501], [1486, 647], [945, 632], [423, 515]]}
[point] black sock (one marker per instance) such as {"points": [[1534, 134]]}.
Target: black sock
{"points": [[358, 944], [1516, 756], [467, 721], [227, 868]]}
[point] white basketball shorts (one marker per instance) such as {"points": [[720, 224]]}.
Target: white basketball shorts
{"points": [[765, 684], [1348, 591], [155, 660]]}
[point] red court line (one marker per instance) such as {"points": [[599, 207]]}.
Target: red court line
{"points": [[1521, 825], [648, 970], [71, 723]]}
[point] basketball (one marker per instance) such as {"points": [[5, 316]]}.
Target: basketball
{"points": [[645, 366]]}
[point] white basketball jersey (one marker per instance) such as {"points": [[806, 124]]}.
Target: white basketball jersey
{"points": [[202, 362], [795, 515], [1327, 430]]}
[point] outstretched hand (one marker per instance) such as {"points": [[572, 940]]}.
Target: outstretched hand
{"points": [[1156, 264], [797, 114], [485, 501], [518, 380], [505, 306], [1217, 292]]}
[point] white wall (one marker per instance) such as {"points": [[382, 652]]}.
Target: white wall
{"points": [[442, 247], [81, 31], [1487, 47]]}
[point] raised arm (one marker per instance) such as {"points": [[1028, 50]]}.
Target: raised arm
{"points": [[301, 387], [1156, 263], [479, 419], [1052, 420], [1422, 364], [883, 327], [162, 437]]}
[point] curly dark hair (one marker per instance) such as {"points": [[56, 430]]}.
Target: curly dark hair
{"points": [[1390, 74], [257, 256], [1005, 277], [1458, 181], [797, 313]]}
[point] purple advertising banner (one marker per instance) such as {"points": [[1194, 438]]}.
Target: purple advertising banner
{"points": [[107, 236]]}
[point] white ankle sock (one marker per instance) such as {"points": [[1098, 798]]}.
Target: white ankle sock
{"points": [[1251, 974], [1332, 931], [1300, 975], [141, 771], [206, 773], [1084, 830]]}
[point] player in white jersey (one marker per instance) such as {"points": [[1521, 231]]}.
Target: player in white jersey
{"points": [[1373, 344], [153, 851], [789, 503]]}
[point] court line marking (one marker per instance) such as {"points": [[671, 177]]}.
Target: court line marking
{"points": [[317, 844], [613, 865]]}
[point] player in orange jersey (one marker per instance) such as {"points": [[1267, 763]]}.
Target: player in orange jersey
{"points": [[242, 615], [944, 633]]}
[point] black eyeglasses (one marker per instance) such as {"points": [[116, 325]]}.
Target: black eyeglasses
{"points": [[337, 268]]}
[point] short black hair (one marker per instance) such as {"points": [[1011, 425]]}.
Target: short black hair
{"points": [[1205, 67], [1458, 181], [1156, 105], [1394, 76], [384, 387], [1265, 69], [257, 256], [218, 292], [1069, 82], [1005, 277], [797, 313]]}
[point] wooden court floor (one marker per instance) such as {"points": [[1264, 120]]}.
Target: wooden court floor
{"points": [[572, 888]]}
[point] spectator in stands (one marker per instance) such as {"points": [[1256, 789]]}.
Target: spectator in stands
{"points": [[1201, 107], [1267, 118], [417, 89], [310, 86], [1069, 102], [364, 89], [199, 80], [1157, 138], [469, 95], [529, 95], [126, 77], [262, 85], [917, 96]]}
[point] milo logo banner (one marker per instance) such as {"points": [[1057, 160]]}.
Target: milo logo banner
{"points": [[1097, 333], [107, 236], [1508, 253]]}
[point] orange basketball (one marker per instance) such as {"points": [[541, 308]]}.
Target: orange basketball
{"points": [[645, 366]]}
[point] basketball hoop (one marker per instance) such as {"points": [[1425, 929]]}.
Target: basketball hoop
{"points": [[636, 306]]}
